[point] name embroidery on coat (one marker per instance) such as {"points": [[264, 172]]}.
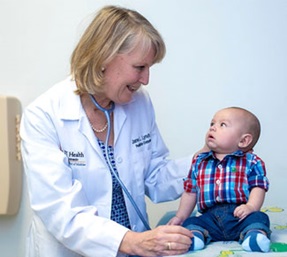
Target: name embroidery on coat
{"points": [[141, 140]]}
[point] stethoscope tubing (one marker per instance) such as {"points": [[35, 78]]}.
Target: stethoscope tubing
{"points": [[107, 113]]}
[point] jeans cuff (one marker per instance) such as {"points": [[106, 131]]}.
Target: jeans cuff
{"points": [[207, 237], [255, 226]]}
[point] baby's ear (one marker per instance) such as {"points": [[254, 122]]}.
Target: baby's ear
{"points": [[245, 141]]}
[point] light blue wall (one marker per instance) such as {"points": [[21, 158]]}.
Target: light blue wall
{"points": [[220, 53]]}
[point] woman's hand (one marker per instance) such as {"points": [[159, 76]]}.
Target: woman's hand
{"points": [[163, 240]]}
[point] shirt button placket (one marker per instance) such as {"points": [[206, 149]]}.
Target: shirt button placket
{"points": [[218, 182]]}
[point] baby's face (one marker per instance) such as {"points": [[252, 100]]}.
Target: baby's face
{"points": [[225, 131]]}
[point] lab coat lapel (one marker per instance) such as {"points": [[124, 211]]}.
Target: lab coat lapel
{"points": [[119, 120], [71, 109], [85, 129]]}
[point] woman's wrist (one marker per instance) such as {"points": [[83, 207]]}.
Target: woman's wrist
{"points": [[127, 245]]}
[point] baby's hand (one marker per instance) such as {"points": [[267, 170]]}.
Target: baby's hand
{"points": [[243, 211], [175, 221]]}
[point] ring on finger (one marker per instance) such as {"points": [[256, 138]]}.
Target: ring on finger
{"points": [[169, 246]]}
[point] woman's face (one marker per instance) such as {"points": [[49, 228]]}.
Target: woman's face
{"points": [[126, 73]]}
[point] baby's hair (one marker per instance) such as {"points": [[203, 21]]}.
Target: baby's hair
{"points": [[252, 124]]}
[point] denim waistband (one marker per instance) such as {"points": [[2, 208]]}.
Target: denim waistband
{"points": [[222, 206]]}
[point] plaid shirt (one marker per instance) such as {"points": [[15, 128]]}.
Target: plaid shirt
{"points": [[227, 181]]}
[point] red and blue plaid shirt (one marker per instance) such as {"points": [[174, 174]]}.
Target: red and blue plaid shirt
{"points": [[227, 181]]}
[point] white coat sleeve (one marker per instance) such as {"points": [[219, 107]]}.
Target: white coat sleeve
{"points": [[164, 178]]}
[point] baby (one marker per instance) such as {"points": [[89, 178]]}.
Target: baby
{"points": [[228, 185]]}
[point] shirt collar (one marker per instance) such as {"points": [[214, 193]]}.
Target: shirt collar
{"points": [[237, 153]]}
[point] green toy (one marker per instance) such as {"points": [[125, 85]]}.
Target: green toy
{"points": [[278, 247]]}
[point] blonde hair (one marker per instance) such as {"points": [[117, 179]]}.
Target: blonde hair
{"points": [[114, 30]]}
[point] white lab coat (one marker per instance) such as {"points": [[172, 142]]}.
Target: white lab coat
{"points": [[69, 184]]}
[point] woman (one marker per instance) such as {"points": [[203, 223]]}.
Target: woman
{"points": [[73, 150]]}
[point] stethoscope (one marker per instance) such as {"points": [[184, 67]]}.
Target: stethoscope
{"points": [[108, 113]]}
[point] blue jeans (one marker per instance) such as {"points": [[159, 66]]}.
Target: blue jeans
{"points": [[219, 224]]}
